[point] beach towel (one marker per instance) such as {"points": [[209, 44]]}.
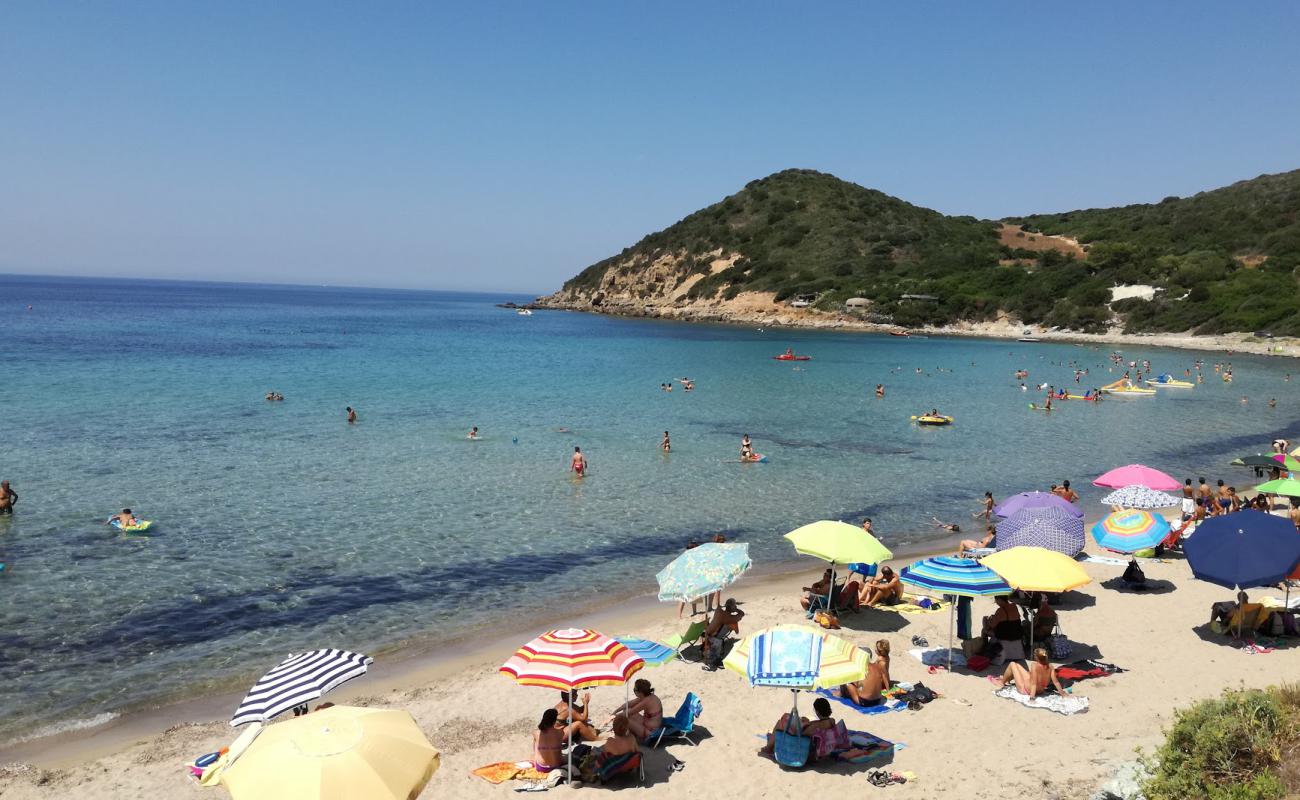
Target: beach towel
{"points": [[1086, 668], [785, 658], [503, 771], [1067, 705], [910, 605], [1122, 562], [864, 747], [938, 656], [1273, 602], [883, 708]]}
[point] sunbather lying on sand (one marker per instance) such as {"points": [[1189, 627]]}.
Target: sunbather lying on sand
{"points": [[1033, 681], [868, 691]]}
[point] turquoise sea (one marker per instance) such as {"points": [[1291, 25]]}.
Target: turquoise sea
{"points": [[280, 527]]}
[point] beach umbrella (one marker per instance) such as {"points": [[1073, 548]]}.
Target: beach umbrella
{"points": [[1137, 475], [1049, 527], [1284, 486], [1261, 461], [1140, 497], [1024, 500], [797, 657], [838, 543], [337, 752], [1130, 530], [297, 680], [955, 576], [653, 654], [1243, 549], [1286, 462], [703, 570], [1037, 569], [572, 658]]}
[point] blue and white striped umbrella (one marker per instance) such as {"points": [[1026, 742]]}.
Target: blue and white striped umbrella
{"points": [[1050, 528], [1140, 497], [299, 679], [653, 654], [950, 575], [703, 570]]}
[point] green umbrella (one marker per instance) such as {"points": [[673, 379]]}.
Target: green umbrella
{"points": [[1286, 486]]}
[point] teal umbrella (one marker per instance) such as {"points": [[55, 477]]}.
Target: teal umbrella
{"points": [[702, 570], [653, 654]]}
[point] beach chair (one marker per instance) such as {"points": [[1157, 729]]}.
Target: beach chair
{"points": [[630, 764], [685, 639], [679, 725]]}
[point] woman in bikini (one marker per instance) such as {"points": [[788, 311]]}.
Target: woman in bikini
{"points": [[572, 717], [868, 691], [548, 741], [646, 713], [1032, 681]]}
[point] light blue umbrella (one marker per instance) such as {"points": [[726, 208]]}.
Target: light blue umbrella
{"points": [[702, 570], [653, 654]]}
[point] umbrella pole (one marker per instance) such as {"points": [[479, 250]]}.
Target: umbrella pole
{"points": [[952, 615], [830, 588]]}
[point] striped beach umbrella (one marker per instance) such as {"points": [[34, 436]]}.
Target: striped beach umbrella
{"points": [[1024, 500], [299, 679], [703, 570], [1140, 497], [797, 657], [572, 658], [653, 654], [1050, 528], [1130, 530], [950, 575]]}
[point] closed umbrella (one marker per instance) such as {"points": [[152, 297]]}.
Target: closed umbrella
{"points": [[956, 576], [838, 543], [335, 753], [1137, 475], [1140, 497], [572, 658], [703, 570], [299, 679], [1130, 530], [1050, 527], [1024, 500]]}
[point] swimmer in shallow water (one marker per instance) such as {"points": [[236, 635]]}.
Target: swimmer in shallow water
{"points": [[126, 519], [666, 444], [473, 433], [578, 464]]}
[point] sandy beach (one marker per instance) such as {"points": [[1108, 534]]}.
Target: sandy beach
{"points": [[475, 716]]}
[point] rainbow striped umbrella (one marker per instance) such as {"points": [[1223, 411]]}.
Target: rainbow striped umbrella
{"points": [[1130, 530], [572, 658]]}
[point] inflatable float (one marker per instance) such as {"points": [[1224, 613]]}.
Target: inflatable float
{"points": [[1092, 399], [927, 419], [791, 357], [756, 458], [140, 527]]}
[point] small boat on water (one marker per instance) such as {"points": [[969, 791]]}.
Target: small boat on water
{"points": [[1026, 336], [1169, 382], [789, 355], [899, 333], [1122, 388], [524, 312], [932, 419]]}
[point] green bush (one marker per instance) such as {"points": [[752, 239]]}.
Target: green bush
{"points": [[1241, 745]]}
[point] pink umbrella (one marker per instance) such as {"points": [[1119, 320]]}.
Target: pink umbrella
{"points": [[1137, 475]]}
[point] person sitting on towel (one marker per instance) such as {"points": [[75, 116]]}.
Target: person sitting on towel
{"points": [[869, 691], [548, 742], [1033, 681], [807, 727], [884, 589]]}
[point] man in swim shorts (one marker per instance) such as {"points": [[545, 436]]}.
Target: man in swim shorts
{"points": [[578, 463], [1189, 500], [7, 498], [1202, 499]]}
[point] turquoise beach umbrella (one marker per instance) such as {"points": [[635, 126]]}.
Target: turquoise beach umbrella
{"points": [[653, 654], [703, 570]]}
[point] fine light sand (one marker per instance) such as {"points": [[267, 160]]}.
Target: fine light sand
{"points": [[966, 744]]}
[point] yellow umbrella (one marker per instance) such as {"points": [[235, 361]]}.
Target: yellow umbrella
{"points": [[1037, 569], [841, 661], [335, 754], [838, 543]]}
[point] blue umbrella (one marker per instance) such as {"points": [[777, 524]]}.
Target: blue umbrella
{"points": [[652, 653], [1019, 502], [1051, 528], [950, 575], [702, 570], [1243, 549]]}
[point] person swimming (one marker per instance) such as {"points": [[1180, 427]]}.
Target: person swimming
{"points": [[880, 390], [473, 433], [352, 415], [126, 519]]}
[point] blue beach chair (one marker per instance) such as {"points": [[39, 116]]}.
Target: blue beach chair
{"points": [[679, 725]]}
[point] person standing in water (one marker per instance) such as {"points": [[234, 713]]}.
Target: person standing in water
{"points": [[880, 390], [578, 464], [666, 444], [352, 415], [7, 498], [746, 448]]}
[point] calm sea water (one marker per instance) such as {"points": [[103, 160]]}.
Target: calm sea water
{"points": [[281, 527]]}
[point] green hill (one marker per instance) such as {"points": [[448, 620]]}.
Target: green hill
{"points": [[1223, 259]]}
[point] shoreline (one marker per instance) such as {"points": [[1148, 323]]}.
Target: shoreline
{"points": [[416, 661], [797, 319]]}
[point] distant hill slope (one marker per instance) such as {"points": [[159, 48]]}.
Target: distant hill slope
{"points": [[1223, 260]]}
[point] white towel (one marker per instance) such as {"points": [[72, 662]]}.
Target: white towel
{"points": [[1061, 704]]}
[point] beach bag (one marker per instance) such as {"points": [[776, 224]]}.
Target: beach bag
{"points": [[791, 749], [1133, 574], [1058, 646], [920, 693], [827, 620]]}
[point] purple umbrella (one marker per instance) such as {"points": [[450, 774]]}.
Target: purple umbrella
{"points": [[1051, 528], [1019, 502]]}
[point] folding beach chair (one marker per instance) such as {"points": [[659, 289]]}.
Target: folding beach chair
{"points": [[690, 636], [679, 725]]}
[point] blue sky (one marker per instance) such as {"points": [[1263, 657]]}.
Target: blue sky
{"points": [[508, 145]]}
